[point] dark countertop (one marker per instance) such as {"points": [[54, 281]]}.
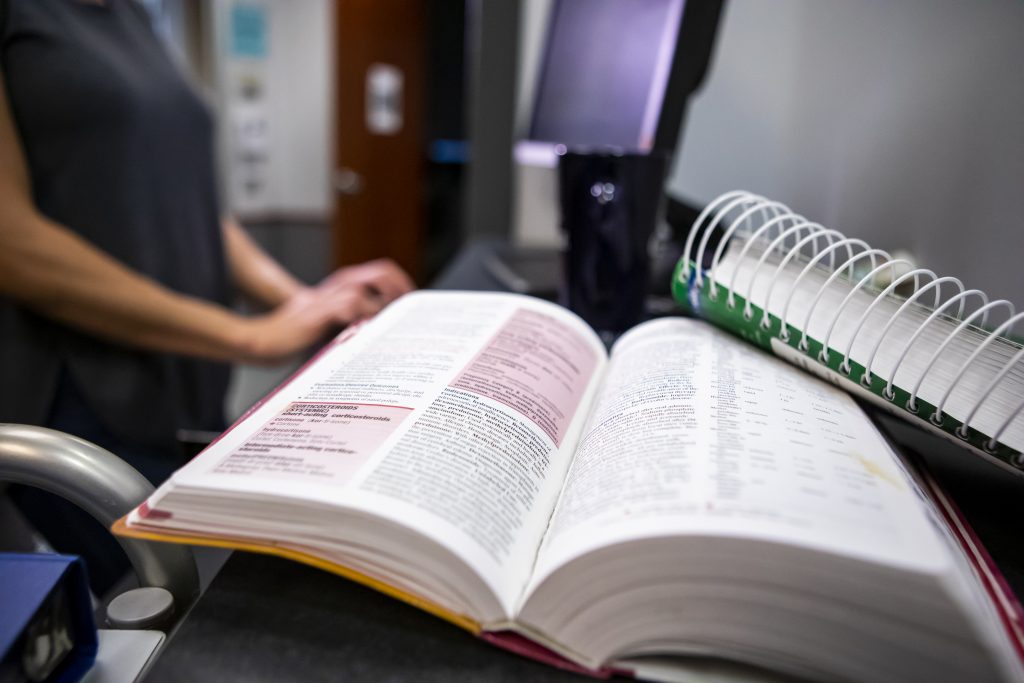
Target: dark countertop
{"points": [[268, 619]]}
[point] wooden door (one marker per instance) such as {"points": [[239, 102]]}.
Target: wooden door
{"points": [[379, 147]]}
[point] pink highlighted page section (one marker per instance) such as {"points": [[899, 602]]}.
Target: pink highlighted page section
{"points": [[321, 442], [536, 364]]}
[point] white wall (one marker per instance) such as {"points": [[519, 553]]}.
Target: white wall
{"points": [[302, 105], [296, 80], [898, 122]]}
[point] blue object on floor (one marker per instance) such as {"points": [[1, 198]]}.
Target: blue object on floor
{"points": [[47, 631]]}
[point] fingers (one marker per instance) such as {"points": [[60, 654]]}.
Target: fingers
{"points": [[350, 305], [308, 318], [311, 315], [391, 279], [382, 278]]}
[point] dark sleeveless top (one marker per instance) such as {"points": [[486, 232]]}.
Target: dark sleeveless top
{"points": [[120, 151]]}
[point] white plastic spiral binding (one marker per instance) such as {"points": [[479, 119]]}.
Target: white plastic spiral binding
{"points": [[962, 297], [726, 236], [773, 224], [991, 386], [772, 231], [849, 243], [795, 231], [698, 224], [936, 417], [937, 285], [794, 250], [1005, 327], [866, 377], [870, 277], [736, 224], [743, 198]]}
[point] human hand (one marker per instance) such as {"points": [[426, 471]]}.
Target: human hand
{"points": [[305, 319], [382, 278]]}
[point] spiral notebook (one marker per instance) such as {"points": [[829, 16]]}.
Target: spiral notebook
{"points": [[918, 344]]}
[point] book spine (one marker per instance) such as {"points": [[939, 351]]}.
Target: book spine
{"points": [[524, 646], [753, 324]]}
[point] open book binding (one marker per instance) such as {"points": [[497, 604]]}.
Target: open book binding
{"points": [[920, 346], [484, 457]]}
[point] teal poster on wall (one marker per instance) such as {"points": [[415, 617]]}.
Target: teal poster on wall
{"points": [[248, 31]]}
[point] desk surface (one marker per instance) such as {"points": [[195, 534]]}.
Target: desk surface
{"points": [[268, 619]]}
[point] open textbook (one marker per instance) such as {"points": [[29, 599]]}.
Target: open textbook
{"points": [[483, 457]]}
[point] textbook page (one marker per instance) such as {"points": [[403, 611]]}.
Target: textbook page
{"points": [[454, 414], [694, 431]]}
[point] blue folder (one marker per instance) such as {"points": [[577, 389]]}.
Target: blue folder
{"points": [[47, 631]]}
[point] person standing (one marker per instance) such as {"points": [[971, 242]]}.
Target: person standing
{"points": [[117, 268]]}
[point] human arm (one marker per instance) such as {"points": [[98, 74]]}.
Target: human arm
{"points": [[259, 277], [254, 273], [49, 269]]}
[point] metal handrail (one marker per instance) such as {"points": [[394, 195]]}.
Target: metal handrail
{"points": [[104, 486]]}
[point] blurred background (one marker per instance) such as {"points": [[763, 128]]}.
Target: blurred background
{"points": [[351, 129]]}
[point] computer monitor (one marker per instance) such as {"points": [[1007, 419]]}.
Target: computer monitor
{"points": [[611, 73], [604, 72], [617, 73]]}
